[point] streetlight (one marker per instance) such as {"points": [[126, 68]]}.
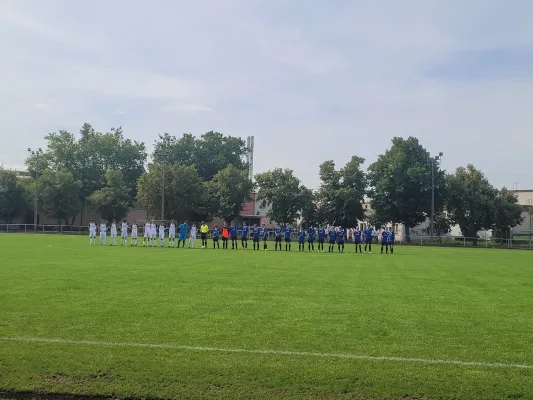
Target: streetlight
{"points": [[516, 184], [37, 154], [436, 159]]}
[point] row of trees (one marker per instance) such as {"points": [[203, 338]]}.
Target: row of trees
{"points": [[203, 177]]}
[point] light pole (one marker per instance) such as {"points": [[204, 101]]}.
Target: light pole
{"points": [[516, 184], [433, 161], [530, 204], [37, 154]]}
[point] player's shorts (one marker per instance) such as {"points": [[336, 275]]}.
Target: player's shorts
{"points": [[233, 238], [301, 241], [161, 237], [311, 241], [331, 242], [92, 233], [244, 239], [113, 234], [356, 243], [321, 241], [146, 234], [154, 235], [172, 235], [124, 235], [288, 240], [278, 239], [256, 240], [134, 234], [182, 237], [215, 239], [341, 242], [368, 241], [203, 236], [102, 235]]}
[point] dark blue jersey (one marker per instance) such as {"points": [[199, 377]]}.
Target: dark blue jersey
{"points": [[233, 232], [311, 234], [256, 233], [321, 233], [277, 231], [264, 234], [288, 232], [332, 235], [301, 236], [384, 237], [357, 236], [244, 233], [215, 233], [368, 234], [390, 237], [340, 236]]}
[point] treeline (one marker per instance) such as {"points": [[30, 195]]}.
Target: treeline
{"points": [[207, 176]]}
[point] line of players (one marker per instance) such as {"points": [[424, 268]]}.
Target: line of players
{"points": [[334, 237]]}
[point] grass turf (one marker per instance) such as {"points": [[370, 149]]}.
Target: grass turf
{"points": [[431, 303]]}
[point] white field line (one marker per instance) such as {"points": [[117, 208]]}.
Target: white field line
{"points": [[273, 352]]}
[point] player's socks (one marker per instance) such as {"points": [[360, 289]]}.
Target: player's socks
{"points": [[392, 250]]}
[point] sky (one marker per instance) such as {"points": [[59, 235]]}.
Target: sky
{"points": [[311, 80]]}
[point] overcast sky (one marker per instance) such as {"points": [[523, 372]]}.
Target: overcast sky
{"points": [[311, 79]]}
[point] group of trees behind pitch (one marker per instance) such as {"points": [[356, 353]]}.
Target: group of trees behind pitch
{"points": [[207, 176]]}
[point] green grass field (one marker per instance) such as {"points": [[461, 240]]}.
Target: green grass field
{"points": [[110, 322]]}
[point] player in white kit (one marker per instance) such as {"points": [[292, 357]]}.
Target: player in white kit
{"points": [[147, 229], [192, 236], [124, 233], [113, 241], [153, 233], [134, 233], [172, 234], [162, 234], [92, 233], [103, 233]]}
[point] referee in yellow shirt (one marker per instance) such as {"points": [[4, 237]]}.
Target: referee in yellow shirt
{"points": [[203, 232]]}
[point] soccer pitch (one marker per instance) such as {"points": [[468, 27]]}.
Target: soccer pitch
{"points": [[424, 323]]}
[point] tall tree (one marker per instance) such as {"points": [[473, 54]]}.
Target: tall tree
{"points": [[282, 191], [185, 194], [341, 192], [59, 194], [210, 153], [229, 189], [312, 213], [113, 200], [12, 198], [470, 201], [508, 213], [89, 157], [400, 184]]}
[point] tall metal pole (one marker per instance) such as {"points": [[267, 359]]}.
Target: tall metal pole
{"points": [[163, 194], [37, 154], [432, 194]]}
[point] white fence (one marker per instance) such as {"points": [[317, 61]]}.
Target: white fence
{"points": [[524, 241]]}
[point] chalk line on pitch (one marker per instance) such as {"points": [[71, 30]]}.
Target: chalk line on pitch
{"points": [[273, 352]]}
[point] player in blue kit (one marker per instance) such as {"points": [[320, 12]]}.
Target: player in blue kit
{"points": [[311, 239], [332, 238], [288, 232], [215, 234], [244, 236], [321, 233], [340, 240], [233, 235], [390, 240], [384, 241], [358, 238], [277, 237], [183, 229], [368, 238], [256, 234], [264, 236], [301, 240]]}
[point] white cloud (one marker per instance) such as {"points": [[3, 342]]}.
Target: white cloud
{"points": [[306, 79]]}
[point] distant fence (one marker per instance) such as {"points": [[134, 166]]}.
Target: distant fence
{"points": [[521, 242], [518, 242]]}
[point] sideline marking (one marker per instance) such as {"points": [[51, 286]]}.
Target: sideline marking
{"points": [[275, 352]]}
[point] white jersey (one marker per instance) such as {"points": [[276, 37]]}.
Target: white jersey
{"points": [[193, 231], [113, 229], [162, 231], [153, 230], [103, 228], [134, 231], [172, 231], [124, 229], [147, 228], [92, 229]]}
